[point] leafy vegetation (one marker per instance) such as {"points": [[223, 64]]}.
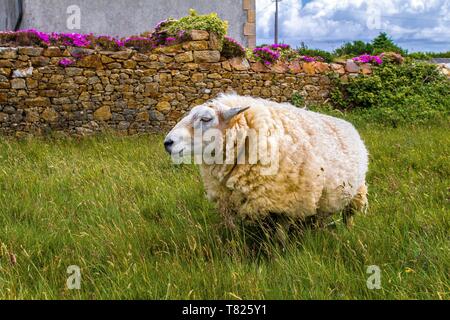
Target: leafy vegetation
{"points": [[325, 55], [411, 92], [208, 22], [382, 43], [429, 55], [354, 48], [231, 48]]}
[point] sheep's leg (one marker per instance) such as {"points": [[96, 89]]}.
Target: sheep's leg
{"points": [[359, 203]]}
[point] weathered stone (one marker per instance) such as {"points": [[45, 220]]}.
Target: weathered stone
{"points": [[142, 116], [165, 58], [259, 67], [52, 52], [239, 64], [321, 67], [163, 107], [8, 53], [197, 35], [61, 100], [351, 66], [40, 61], [151, 89], [140, 57], [130, 64], [3, 117], [295, 67], [78, 52], [155, 116], [196, 45], [32, 116], [71, 72], [279, 67], [91, 61], [309, 68], [37, 102], [3, 97], [106, 59], [168, 50], [30, 51], [184, 57], [214, 42], [9, 110], [338, 68], [366, 68], [103, 113], [18, 84], [393, 57], [5, 72], [122, 55], [164, 78], [50, 115], [23, 73], [206, 56], [6, 64], [197, 77]]}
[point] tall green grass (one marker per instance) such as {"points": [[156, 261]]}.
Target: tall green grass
{"points": [[141, 228]]}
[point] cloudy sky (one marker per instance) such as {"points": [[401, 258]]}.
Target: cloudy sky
{"points": [[417, 25]]}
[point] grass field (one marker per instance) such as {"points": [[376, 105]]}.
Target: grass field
{"points": [[139, 227]]}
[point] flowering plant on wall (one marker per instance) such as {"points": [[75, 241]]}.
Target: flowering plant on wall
{"points": [[231, 48], [367, 58], [66, 62], [266, 55]]}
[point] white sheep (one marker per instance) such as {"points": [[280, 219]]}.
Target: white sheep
{"points": [[322, 161]]}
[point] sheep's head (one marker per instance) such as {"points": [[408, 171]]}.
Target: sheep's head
{"points": [[190, 136]]}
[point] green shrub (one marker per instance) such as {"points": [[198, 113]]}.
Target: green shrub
{"points": [[325, 55], [411, 92], [354, 48], [208, 22], [298, 100], [382, 43], [429, 55]]}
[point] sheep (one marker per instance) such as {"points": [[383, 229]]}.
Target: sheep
{"points": [[322, 161]]}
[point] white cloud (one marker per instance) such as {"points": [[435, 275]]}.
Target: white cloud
{"points": [[344, 20]]}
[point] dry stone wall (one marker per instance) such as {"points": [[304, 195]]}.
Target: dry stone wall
{"points": [[132, 92]]}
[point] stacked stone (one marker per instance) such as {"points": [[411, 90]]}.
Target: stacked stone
{"points": [[132, 92]]}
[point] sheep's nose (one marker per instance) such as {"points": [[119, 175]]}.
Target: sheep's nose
{"points": [[168, 145]]}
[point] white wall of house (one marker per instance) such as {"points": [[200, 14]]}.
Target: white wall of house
{"points": [[123, 18]]}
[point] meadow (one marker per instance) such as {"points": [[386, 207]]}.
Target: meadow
{"points": [[141, 228]]}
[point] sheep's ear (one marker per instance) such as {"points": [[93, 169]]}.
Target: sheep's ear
{"points": [[230, 114]]}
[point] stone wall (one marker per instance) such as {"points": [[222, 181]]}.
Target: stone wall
{"points": [[133, 92]]}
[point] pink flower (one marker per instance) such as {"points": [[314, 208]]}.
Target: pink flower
{"points": [[65, 62]]}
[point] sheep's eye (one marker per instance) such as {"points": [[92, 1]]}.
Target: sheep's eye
{"points": [[205, 119]]}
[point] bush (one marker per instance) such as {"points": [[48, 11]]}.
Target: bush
{"points": [[429, 55], [411, 92], [382, 43], [209, 22], [298, 100], [325, 55], [354, 48], [231, 48]]}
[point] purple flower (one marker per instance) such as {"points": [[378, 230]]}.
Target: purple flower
{"points": [[308, 59], [367, 58], [65, 62], [280, 46], [171, 40]]}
